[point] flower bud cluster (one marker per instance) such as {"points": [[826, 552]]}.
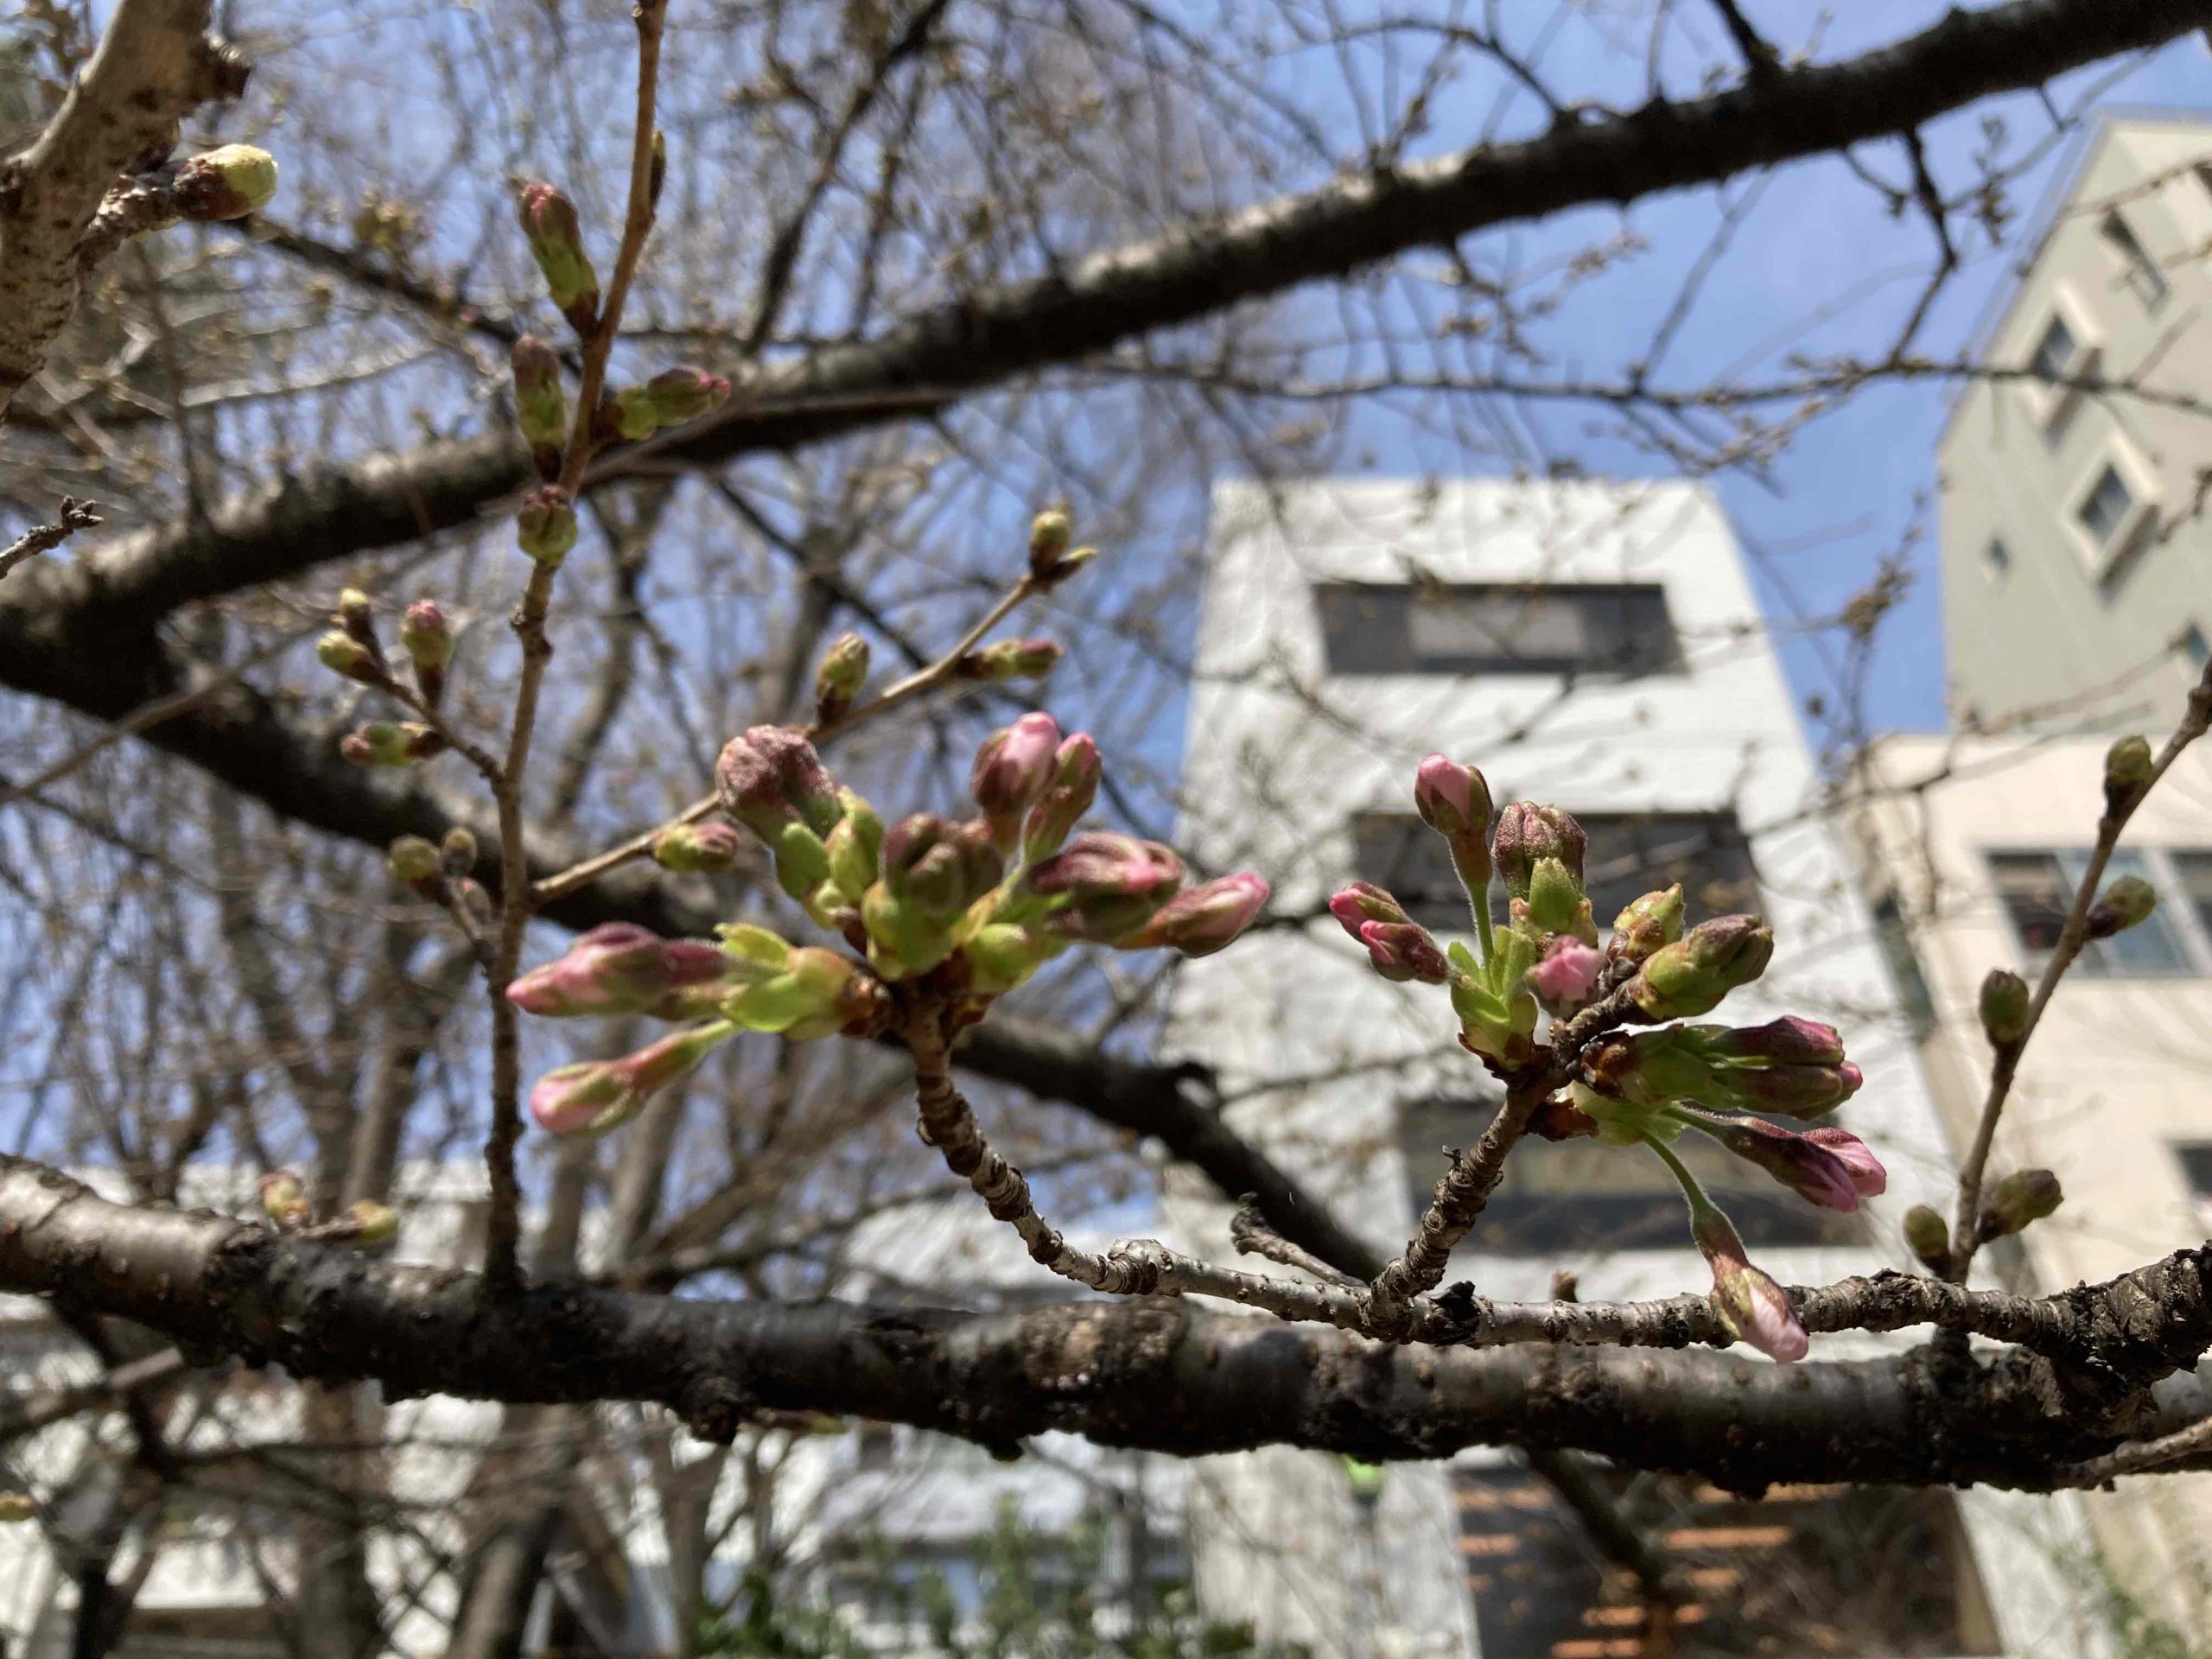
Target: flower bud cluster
{"points": [[977, 906]]}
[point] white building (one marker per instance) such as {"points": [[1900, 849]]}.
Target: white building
{"points": [[2077, 599], [2076, 560], [1977, 845], [1597, 647]]}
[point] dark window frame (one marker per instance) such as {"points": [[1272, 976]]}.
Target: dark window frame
{"points": [[1367, 628]]}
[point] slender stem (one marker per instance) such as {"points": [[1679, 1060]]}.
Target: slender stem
{"points": [[502, 1264], [2072, 936], [903, 691]]}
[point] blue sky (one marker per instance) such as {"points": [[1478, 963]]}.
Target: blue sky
{"points": [[1818, 242]]}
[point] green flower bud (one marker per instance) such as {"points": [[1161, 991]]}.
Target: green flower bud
{"points": [[1647, 926], [838, 679], [1690, 977], [2004, 1000], [1554, 900], [549, 220], [2127, 770], [1526, 833], [2025, 1196], [2120, 906], [227, 182], [412, 861], [457, 852], [1010, 660], [284, 1198], [427, 637], [1927, 1238], [390, 743], [541, 401], [855, 847], [341, 653], [697, 847], [545, 528]]}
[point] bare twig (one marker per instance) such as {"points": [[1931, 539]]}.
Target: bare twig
{"points": [[75, 515]]}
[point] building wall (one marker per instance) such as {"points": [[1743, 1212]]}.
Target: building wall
{"points": [[1318, 1055], [2119, 1076], [2059, 619]]}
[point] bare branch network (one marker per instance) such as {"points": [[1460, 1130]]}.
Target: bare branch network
{"points": [[1593, 1027]]}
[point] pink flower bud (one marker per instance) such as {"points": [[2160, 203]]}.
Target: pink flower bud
{"points": [[1013, 768], [1105, 862], [617, 968], [390, 743], [1074, 785], [684, 394], [593, 1096], [1749, 1303], [1866, 1173], [1813, 1171], [1564, 979], [1404, 951], [769, 777], [1363, 902], [427, 637], [1451, 799], [1205, 918]]}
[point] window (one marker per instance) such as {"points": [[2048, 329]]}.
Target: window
{"points": [[1894, 939], [1621, 630], [2193, 879], [2036, 889], [2139, 271], [1630, 853], [2056, 352], [1996, 560], [1835, 1570], [1564, 1196], [2105, 511], [2196, 1172]]}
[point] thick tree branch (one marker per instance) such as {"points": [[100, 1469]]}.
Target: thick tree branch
{"points": [[155, 63], [1148, 1373], [986, 340]]}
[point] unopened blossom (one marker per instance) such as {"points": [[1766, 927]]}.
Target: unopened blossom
{"points": [[342, 654], [839, 676], [541, 400], [2004, 1005], [1527, 832], [594, 1096], [1928, 1237], [1363, 902], [1404, 951], [2126, 902], [412, 861], [1813, 1172], [1205, 918], [1866, 1169], [1454, 801], [549, 221], [768, 777], [284, 1198], [1074, 786], [697, 847], [1013, 768], [2025, 1196], [617, 968], [427, 637], [1566, 975], [1011, 659], [1105, 886], [545, 526], [1747, 1301], [1647, 925], [1691, 975], [228, 181], [2128, 764]]}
